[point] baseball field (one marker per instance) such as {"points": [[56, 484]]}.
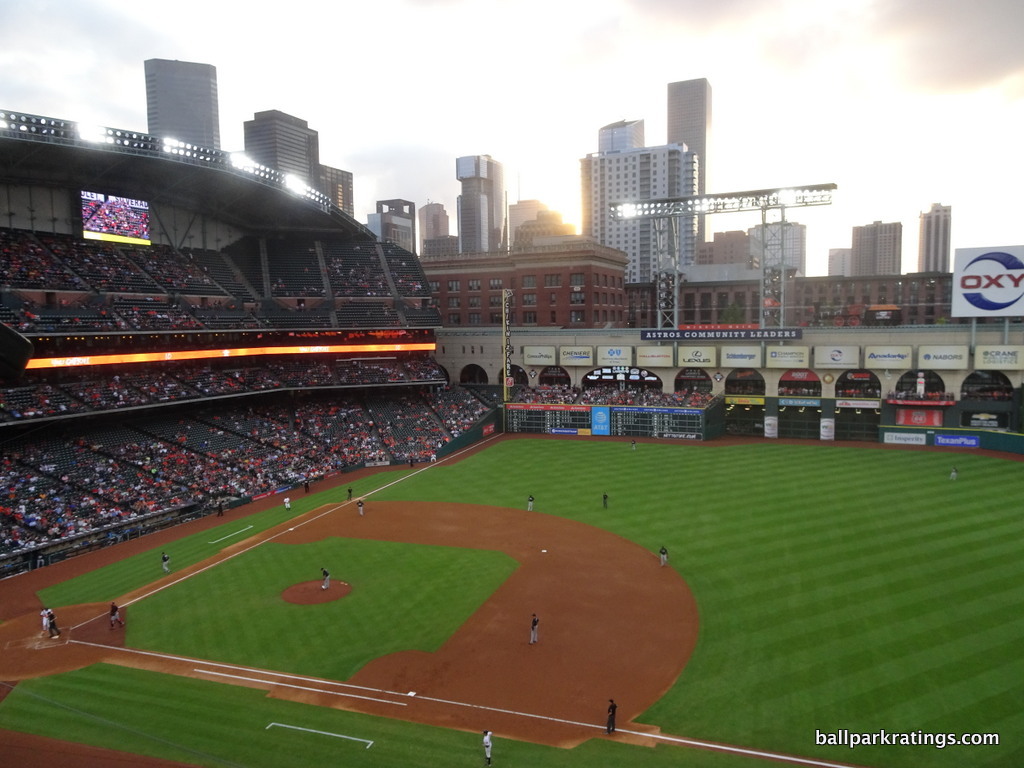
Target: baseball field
{"points": [[815, 596]]}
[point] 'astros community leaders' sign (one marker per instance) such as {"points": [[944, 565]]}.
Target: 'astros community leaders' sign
{"points": [[737, 334]]}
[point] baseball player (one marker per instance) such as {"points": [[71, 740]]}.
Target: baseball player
{"points": [[487, 746], [663, 554], [534, 622], [327, 578], [115, 615], [529, 503], [165, 561]]}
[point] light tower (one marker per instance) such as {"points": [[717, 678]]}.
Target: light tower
{"points": [[773, 283]]}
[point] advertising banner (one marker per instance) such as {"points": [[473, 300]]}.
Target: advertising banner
{"points": [[600, 420], [655, 357], [787, 357], [888, 357], [743, 400], [827, 429], [943, 357], [918, 417], [698, 357], [999, 358], [850, 403], [988, 282], [834, 356], [539, 357], [905, 438], [576, 356], [614, 356], [985, 420], [741, 357], [958, 441]]}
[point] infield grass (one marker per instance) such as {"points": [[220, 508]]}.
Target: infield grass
{"points": [[838, 588]]}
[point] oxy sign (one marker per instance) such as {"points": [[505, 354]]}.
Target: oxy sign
{"points": [[988, 282]]}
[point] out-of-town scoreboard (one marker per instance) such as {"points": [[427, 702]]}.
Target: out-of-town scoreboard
{"points": [[610, 420]]}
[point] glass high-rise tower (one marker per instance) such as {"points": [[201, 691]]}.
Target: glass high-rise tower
{"points": [[481, 212], [689, 123], [181, 102]]}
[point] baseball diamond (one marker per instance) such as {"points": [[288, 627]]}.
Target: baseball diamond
{"points": [[616, 624]]}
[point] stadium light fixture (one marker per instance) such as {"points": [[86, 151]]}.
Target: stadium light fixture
{"points": [[295, 184], [94, 134]]}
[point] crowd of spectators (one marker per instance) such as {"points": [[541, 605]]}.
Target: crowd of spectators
{"points": [[644, 396], [546, 393], [56, 488], [152, 385], [158, 276], [913, 394]]}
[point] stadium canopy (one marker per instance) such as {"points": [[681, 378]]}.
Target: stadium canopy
{"points": [[43, 151]]}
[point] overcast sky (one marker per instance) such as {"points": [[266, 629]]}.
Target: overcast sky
{"points": [[902, 103]]}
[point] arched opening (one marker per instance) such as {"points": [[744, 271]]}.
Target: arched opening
{"points": [[621, 385], [554, 376], [858, 406], [691, 380], [800, 404], [799, 382], [921, 385], [987, 386], [473, 374], [744, 402]]}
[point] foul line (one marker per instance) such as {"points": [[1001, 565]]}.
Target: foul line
{"points": [[681, 740], [222, 538], [298, 687], [367, 742]]}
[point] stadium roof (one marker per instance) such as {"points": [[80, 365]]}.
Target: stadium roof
{"points": [[37, 150]]}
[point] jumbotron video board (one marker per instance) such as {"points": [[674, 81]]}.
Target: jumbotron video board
{"points": [[114, 219]]}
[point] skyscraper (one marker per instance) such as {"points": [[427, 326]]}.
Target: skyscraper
{"points": [[645, 173], [625, 134], [284, 143], [433, 219], [337, 185], [181, 102], [877, 250], [779, 243], [933, 242], [481, 214], [521, 212], [395, 222], [689, 123]]}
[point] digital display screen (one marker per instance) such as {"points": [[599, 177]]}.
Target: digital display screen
{"points": [[207, 354], [114, 219]]}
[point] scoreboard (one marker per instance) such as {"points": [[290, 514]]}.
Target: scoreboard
{"points": [[617, 420], [548, 419], [683, 423]]}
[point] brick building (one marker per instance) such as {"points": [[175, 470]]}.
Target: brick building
{"points": [[565, 283]]}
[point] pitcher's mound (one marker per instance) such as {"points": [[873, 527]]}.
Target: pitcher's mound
{"points": [[312, 592]]}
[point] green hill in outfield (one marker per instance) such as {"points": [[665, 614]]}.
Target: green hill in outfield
{"points": [[855, 589]]}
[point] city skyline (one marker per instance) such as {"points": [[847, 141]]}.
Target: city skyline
{"points": [[901, 105]]}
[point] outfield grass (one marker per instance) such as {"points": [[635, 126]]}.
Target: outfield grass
{"points": [[839, 588]]}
